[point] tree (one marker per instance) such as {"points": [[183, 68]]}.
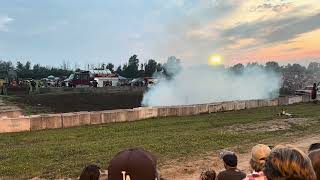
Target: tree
{"points": [[150, 68], [131, 70], [313, 67], [238, 68], [119, 70], [110, 67], [298, 69], [159, 67], [272, 66]]}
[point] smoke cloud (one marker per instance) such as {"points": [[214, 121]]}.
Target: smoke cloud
{"points": [[207, 84]]}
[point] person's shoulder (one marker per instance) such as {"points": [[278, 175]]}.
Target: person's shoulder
{"points": [[222, 173]]}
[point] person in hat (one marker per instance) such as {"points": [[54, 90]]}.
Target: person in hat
{"points": [[133, 164], [230, 160], [259, 154], [90, 172]]}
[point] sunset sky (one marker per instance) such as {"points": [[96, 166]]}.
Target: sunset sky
{"points": [[96, 31]]}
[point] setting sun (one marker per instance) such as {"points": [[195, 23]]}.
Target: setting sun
{"points": [[215, 59]]}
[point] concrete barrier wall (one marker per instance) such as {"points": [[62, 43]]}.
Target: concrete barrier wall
{"points": [[147, 112], [70, 120], [52, 121], [187, 110], [96, 117], [306, 98], [295, 99], [65, 120], [36, 123], [15, 124], [252, 104], [131, 114], [216, 107], [84, 118], [240, 105], [202, 108], [283, 101]]}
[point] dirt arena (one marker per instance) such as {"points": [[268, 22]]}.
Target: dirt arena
{"points": [[72, 102]]}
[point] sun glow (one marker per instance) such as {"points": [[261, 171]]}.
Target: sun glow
{"points": [[215, 60]]}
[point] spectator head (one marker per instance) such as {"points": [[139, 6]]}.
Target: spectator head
{"points": [[314, 146], [229, 158], [259, 154], [288, 163], [91, 172], [134, 164], [208, 175], [315, 160]]}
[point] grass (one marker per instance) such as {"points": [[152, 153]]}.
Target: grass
{"points": [[64, 152]]}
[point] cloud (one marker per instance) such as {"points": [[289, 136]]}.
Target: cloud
{"points": [[274, 30], [282, 7], [4, 21]]}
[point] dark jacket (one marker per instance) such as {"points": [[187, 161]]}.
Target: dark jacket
{"points": [[231, 174]]}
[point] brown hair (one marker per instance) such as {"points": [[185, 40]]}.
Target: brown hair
{"points": [[91, 172], [315, 159], [208, 175], [288, 163]]}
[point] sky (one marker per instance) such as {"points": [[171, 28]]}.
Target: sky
{"points": [[82, 32]]}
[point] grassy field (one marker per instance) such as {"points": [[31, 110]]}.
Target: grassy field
{"points": [[64, 152]]}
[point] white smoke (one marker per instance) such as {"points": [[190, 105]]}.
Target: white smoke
{"points": [[205, 84]]}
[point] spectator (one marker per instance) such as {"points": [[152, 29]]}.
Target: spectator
{"points": [[230, 163], [91, 172], [314, 146], [287, 162], [134, 164], [315, 160], [259, 154], [208, 175], [314, 92]]}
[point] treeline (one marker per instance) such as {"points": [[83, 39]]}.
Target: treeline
{"points": [[134, 68], [26, 70], [313, 67]]}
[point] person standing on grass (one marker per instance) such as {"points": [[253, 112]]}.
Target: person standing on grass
{"points": [[314, 92]]}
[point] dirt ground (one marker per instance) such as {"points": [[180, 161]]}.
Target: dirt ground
{"points": [[71, 102], [192, 169]]}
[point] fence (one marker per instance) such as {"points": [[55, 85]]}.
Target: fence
{"points": [[17, 122]]}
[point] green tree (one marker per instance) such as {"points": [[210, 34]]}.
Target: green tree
{"points": [[313, 67], [131, 70], [238, 68], [150, 68], [272, 66], [110, 67]]}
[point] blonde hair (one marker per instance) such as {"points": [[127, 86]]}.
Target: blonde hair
{"points": [[288, 163]]}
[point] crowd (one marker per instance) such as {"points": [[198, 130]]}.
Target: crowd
{"points": [[283, 162]]}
